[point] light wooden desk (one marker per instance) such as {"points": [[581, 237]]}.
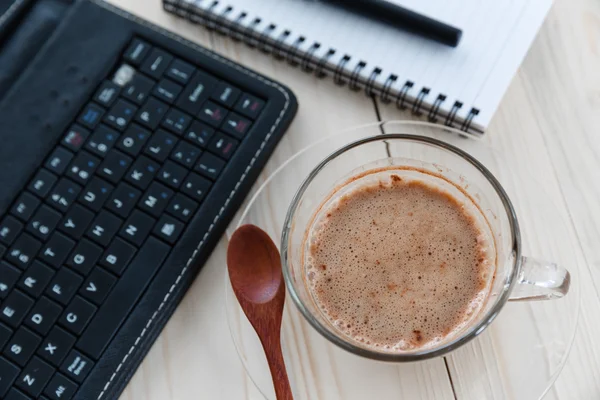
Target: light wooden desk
{"points": [[549, 119]]}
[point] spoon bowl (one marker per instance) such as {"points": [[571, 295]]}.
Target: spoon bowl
{"points": [[254, 265]]}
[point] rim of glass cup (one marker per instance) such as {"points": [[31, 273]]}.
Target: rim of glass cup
{"points": [[423, 354]]}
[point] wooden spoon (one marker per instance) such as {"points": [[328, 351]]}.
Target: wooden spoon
{"points": [[254, 268]]}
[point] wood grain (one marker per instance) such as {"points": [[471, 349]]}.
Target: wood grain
{"points": [[548, 121]]}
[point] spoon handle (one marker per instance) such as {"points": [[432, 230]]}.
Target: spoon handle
{"points": [[283, 391]]}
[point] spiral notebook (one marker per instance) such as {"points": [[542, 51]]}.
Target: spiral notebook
{"points": [[459, 87]]}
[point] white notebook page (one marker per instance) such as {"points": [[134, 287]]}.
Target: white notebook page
{"points": [[496, 36]]}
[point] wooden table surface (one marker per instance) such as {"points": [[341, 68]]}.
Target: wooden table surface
{"points": [[548, 120]]}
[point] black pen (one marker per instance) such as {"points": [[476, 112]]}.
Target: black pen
{"points": [[402, 18]]}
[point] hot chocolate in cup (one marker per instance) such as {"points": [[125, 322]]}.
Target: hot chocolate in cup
{"points": [[398, 259], [406, 257]]}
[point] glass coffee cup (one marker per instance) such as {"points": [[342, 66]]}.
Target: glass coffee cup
{"points": [[516, 277]]}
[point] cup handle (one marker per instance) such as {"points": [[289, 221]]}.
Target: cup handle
{"points": [[540, 280]]}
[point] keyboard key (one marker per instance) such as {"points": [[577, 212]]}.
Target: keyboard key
{"points": [[84, 257], [133, 140], [58, 160], [2, 250], [185, 154], [199, 134], [138, 89], [102, 140], [56, 346], [107, 93], [83, 167], [249, 106], [168, 228], [23, 251], [176, 121], [60, 388], [156, 63], [180, 71], [120, 115], [123, 298], [225, 94], [76, 221], [167, 91], [14, 309], [25, 206], [34, 377], [64, 194], [151, 113], [123, 75], [114, 166], [118, 256], [75, 138], [63, 286], [136, 52], [43, 222], [55, 252], [8, 374], [123, 200], [104, 228], [160, 145], [182, 207], [223, 146], [35, 279], [95, 194], [210, 166], [212, 114], [9, 276], [43, 316], [77, 315], [142, 172], [97, 286], [172, 174], [21, 346], [14, 394], [42, 183], [196, 187], [5, 334], [196, 92], [76, 366], [139, 225], [90, 116], [236, 125], [9, 229], [155, 199]]}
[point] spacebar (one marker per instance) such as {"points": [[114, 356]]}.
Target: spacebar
{"points": [[123, 298]]}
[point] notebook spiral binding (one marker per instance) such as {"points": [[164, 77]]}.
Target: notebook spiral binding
{"points": [[320, 66]]}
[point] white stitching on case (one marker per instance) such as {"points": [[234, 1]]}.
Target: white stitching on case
{"points": [[252, 161], [4, 17]]}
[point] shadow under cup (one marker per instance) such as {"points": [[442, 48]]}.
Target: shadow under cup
{"points": [[438, 164]]}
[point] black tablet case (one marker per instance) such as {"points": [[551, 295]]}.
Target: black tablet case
{"points": [[53, 54]]}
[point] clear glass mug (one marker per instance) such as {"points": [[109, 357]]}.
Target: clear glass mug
{"points": [[516, 277]]}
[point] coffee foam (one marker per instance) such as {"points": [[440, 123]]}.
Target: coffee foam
{"points": [[397, 265]]}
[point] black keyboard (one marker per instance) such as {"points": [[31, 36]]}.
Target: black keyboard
{"points": [[84, 239]]}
